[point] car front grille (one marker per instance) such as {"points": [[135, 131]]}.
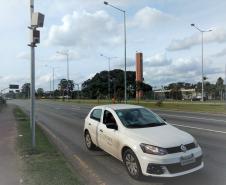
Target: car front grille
{"points": [[178, 148], [177, 167]]}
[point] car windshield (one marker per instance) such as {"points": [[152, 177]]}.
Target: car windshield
{"points": [[139, 118]]}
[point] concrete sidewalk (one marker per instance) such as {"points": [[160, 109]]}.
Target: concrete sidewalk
{"points": [[9, 165]]}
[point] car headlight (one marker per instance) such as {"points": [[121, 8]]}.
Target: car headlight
{"points": [[196, 143], [149, 149]]}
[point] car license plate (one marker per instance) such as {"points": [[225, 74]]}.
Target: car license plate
{"points": [[185, 160]]}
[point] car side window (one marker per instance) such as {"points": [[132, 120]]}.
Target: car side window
{"points": [[108, 117], [96, 114]]}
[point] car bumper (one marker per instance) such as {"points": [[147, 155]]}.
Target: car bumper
{"points": [[170, 165]]}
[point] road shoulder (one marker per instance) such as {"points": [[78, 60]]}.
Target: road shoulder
{"points": [[9, 160]]}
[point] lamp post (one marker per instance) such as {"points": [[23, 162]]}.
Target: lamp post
{"points": [[78, 90], [53, 74], [109, 66], [124, 14], [202, 32], [67, 56]]}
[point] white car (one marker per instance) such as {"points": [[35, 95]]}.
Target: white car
{"points": [[145, 143]]}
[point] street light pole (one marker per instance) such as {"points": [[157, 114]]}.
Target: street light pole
{"points": [[202, 32], [202, 72], [109, 68], [53, 81], [125, 42], [67, 57], [225, 86]]}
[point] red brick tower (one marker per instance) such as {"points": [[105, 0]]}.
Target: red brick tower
{"points": [[139, 74]]}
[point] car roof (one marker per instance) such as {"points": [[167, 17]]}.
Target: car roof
{"points": [[119, 106]]}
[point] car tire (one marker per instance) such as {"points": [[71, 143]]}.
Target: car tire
{"points": [[88, 141], [132, 164]]}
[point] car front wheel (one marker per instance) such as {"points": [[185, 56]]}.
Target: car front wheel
{"points": [[132, 164], [89, 143]]}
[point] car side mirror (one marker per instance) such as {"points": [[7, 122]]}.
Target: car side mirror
{"points": [[112, 126], [164, 119]]}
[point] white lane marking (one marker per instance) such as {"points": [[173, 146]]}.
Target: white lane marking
{"points": [[75, 108], [191, 117], [57, 108], [198, 113], [198, 128]]}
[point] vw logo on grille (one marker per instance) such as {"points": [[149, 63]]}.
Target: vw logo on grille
{"points": [[183, 148]]}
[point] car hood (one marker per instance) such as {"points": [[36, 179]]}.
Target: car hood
{"points": [[162, 136]]}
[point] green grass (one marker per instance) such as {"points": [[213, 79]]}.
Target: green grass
{"points": [[209, 106], [44, 165]]}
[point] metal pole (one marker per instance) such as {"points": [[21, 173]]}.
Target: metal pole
{"points": [[202, 72], [32, 88], [202, 32], [50, 88], [53, 81], [109, 95], [67, 77], [225, 86], [125, 80], [125, 56]]}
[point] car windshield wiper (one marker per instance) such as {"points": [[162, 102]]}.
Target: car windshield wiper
{"points": [[155, 124], [146, 125], [135, 126]]}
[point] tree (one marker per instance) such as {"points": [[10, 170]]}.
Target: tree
{"points": [[98, 85], [63, 86], [176, 90], [40, 92], [219, 88], [26, 90]]}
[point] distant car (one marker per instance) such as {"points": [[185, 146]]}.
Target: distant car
{"points": [[145, 143], [2, 100], [198, 98]]}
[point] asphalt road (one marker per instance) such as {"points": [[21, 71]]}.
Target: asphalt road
{"points": [[66, 122]]}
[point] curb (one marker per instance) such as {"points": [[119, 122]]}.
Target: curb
{"points": [[86, 175]]}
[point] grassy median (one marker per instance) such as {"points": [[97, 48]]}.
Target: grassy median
{"points": [[44, 165], [209, 106]]}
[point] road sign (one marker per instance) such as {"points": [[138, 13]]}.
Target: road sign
{"points": [[13, 86]]}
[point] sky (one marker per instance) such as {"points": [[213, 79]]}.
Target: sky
{"points": [[88, 28]]}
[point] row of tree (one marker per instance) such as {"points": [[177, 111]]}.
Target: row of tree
{"points": [[97, 88], [215, 91]]}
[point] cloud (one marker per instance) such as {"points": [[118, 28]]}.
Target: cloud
{"points": [[221, 53], [73, 55], [157, 60], [148, 17], [85, 30], [130, 63], [180, 69], [12, 79], [23, 56], [216, 36]]}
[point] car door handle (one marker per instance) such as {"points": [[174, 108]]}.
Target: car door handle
{"points": [[90, 124], [101, 130]]}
